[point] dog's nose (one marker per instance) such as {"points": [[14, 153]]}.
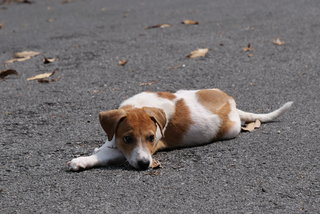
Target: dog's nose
{"points": [[143, 164]]}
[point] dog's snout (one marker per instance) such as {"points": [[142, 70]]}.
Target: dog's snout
{"points": [[143, 164]]}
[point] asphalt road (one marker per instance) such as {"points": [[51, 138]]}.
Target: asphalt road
{"points": [[274, 169]]}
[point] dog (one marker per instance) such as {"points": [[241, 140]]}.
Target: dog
{"points": [[153, 121]]}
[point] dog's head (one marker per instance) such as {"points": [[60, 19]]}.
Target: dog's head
{"points": [[136, 132]]}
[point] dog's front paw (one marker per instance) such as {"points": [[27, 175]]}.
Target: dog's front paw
{"points": [[77, 164]]}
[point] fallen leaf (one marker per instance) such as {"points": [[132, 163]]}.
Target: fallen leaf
{"points": [[51, 20], [189, 22], [201, 52], [41, 76], [155, 164], [248, 48], [278, 42], [249, 127], [16, 1], [158, 26], [24, 54], [17, 60], [48, 60], [122, 62], [146, 83], [1, 26], [5, 73], [250, 55]]}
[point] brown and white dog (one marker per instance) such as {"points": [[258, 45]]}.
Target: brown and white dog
{"points": [[151, 121]]}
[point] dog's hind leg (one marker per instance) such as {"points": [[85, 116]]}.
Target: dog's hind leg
{"points": [[105, 155]]}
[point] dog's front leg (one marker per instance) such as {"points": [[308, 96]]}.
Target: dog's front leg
{"points": [[103, 156]]}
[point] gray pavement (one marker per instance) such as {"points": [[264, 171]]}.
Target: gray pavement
{"points": [[274, 169]]}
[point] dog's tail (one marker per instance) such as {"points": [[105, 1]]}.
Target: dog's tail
{"points": [[250, 117]]}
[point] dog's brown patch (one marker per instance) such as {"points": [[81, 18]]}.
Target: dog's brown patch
{"points": [[166, 95], [138, 125], [217, 102], [178, 125], [126, 107]]}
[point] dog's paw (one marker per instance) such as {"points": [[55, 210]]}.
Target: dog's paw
{"points": [[77, 164], [95, 150]]}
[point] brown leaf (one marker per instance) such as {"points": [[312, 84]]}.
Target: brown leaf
{"points": [[51, 20], [16, 1], [155, 164], [1, 26], [189, 22], [201, 52], [146, 83], [250, 55], [17, 60], [248, 48], [48, 60], [122, 62], [277, 41], [249, 127], [47, 80], [41, 76], [5, 73], [158, 26], [24, 54]]}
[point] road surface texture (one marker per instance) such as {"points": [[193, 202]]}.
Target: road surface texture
{"points": [[274, 169]]}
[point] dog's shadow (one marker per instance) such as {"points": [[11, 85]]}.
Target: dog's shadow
{"points": [[123, 166]]}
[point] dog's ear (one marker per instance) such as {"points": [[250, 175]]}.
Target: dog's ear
{"points": [[158, 116], [109, 121]]}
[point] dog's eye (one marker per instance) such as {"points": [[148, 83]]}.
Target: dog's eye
{"points": [[150, 138], [127, 139]]}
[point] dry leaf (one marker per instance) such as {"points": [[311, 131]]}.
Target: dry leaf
{"points": [[1, 26], [17, 60], [249, 127], [122, 62], [5, 73], [16, 1], [250, 55], [146, 83], [51, 20], [24, 54], [158, 26], [278, 42], [248, 48], [189, 22], [155, 164], [41, 76], [201, 52], [48, 60]]}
